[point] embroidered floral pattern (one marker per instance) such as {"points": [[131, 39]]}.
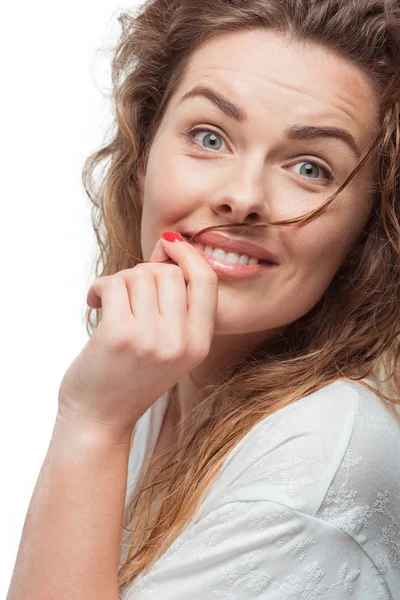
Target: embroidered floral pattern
{"points": [[306, 508]]}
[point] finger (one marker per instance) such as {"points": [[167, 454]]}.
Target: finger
{"points": [[142, 292], [158, 253], [142, 298], [110, 292], [202, 288], [172, 296], [155, 290], [167, 293]]}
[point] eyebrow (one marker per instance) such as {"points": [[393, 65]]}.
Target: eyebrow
{"points": [[298, 132]]}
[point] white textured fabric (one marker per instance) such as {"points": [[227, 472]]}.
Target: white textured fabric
{"points": [[306, 507]]}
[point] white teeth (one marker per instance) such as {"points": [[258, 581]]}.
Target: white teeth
{"points": [[221, 255], [229, 257]]}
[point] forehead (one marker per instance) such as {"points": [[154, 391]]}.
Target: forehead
{"points": [[265, 71]]}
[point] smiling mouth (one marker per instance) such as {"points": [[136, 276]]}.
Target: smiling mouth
{"points": [[237, 272], [242, 260]]}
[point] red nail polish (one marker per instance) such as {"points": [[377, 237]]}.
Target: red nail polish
{"points": [[170, 236]]}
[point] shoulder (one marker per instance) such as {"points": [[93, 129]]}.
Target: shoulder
{"points": [[304, 506], [322, 467], [294, 455], [362, 498]]}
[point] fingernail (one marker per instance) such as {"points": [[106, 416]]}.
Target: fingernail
{"points": [[171, 236]]}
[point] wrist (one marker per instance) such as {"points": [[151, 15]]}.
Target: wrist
{"points": [[90, 433]]}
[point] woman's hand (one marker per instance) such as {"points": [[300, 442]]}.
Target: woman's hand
{"points": [[153, 331]]}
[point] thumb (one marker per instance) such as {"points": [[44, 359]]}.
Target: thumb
{"points": [[159, 253]]}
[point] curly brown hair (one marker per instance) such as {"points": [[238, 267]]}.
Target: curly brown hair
{"points": [[352, 333]]}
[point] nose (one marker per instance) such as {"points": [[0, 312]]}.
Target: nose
{"points": [[241, 196]]}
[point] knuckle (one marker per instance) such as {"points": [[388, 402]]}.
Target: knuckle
{"points": [[103, 280], [200, 351], [175, 351], [114, 341], [148, 343], [139, 272], [124, 343], [145, 352], [173, 271], [117, 340], [121, 344], [116, 279], [142, 270]]}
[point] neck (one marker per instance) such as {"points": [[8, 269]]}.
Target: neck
{"points": [[225, 352]]}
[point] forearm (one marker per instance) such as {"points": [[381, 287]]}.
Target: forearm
{"points": [[70, 542]]}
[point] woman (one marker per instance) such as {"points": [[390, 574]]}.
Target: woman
{"points": [[260, 383]]}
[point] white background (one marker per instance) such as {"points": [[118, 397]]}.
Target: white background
{"points": [[55, 111]]}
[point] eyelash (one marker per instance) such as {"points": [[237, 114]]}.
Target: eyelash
{"points": [[190, 134]]}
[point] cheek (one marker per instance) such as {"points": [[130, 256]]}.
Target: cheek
{"points": [[323, 244], [168, 179], [319, 251], [160, 180], [313, 259]]}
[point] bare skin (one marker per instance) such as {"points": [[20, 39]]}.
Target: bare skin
{"points": [[255, 169]]}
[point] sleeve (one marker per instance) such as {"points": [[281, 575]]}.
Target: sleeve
{"points": [[260, 549]]}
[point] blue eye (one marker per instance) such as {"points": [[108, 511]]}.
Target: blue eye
{"points": [[309, 168], [213, 140]]}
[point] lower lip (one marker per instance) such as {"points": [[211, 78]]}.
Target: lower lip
{"points": [[234, 271]]}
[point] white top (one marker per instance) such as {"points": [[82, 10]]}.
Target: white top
{"points": [[305, 507]]}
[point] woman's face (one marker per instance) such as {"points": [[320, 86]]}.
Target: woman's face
{"points": [[255, 171]]}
